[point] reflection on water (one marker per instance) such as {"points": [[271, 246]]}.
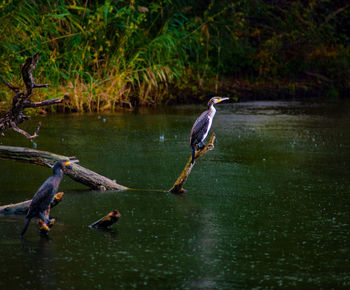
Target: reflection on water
{"points": [[269, 207]]}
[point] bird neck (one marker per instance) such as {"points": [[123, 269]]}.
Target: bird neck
{"points": [[211, 110], [58, 172]]}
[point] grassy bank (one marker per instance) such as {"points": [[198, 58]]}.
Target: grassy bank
{"points": [[107, 54]]}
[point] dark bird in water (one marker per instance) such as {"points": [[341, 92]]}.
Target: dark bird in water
{"points": [[202, 126], [45, 194]]}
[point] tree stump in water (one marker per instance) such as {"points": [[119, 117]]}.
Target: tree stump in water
{"points": [[108, 220]]}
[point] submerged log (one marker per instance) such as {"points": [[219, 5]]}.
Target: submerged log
{"points": [[107, 220], [78, 173], [21, 208], [181, 180]]}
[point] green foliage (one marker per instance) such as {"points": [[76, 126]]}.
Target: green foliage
{"points": [[107, 53]]}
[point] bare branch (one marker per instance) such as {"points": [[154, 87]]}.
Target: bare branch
{"points": [[37, 130], [28, 104], [41, 86], [15, 89], [181, 180], [21, 100], [19, 130]]}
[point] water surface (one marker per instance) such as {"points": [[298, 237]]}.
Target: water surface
{"points": [[268, 207]]}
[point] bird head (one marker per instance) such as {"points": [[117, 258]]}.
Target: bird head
{"points": [[64, 163], [216, 100]]}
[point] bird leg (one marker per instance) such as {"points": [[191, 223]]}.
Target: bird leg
{"points": [[201, 145], [46, 220], [198, 147]]}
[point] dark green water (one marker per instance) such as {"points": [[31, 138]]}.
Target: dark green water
{"points": [[269, 207]]}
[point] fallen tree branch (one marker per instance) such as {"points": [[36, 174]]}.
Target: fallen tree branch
{"points": [[22, 101], [29, 104], [19, 130], [181, 180], [108, 220], [48, 159], [21, 208], [15, 89]]}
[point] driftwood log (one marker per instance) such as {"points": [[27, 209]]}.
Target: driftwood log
{"points": [[22, 207], [181, 180], [22, 100], [78, 173], [108, 220], [90, 178]]}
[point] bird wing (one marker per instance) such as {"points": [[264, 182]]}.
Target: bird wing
{"points": [[42, 198], [199, 129]]}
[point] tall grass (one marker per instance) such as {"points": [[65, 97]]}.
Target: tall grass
{"points": [[121, 53], [105, 54]]}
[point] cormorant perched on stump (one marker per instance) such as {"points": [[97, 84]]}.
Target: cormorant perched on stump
{"points": [[202, 125], [43, 197]]}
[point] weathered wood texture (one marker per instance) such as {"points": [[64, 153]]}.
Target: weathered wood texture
{"points": [[21, 100], [45, 158], [21, 208], [108, 220], [181, 180]]}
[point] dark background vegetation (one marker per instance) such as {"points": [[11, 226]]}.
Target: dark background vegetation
{"points": [[116, 53]]}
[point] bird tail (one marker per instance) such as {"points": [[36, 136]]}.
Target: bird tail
{"points": [[193, 153], [25, 227]]}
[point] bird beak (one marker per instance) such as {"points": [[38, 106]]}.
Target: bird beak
{"points": [[222, 99], [69, 163]]}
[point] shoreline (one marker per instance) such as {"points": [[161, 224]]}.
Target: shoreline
{"points": [[239, 91]]}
